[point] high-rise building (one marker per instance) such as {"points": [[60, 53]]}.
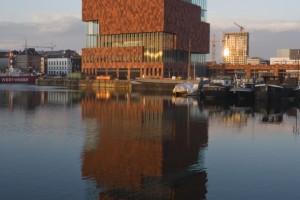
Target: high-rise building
{"points": [[141, 38], [295, 54], [236, 48]]}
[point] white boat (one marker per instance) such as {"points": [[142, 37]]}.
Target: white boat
{"points": [[186, 89]]}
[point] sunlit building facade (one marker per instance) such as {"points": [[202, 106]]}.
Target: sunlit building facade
{"points": [[236, 48], [153, 39]]}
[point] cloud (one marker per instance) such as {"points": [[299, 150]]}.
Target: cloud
{"points": [[226, 23], [66, 32], [275, 26], [53, 23]]}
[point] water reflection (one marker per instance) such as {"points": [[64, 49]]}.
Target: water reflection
{"points": [[144, 147], [19, 99], [137, 146], [29, 97]]}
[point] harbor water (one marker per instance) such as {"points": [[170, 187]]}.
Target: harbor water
{"points": [[58, 143]]}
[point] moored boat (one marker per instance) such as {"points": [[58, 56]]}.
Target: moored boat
{"points": [[244, 91], [186, 89], [276, 89], [217, 89], [14, 75], [27, 79]]}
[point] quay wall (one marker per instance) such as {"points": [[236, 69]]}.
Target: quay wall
{"points": [[146, 85], [154, 85], [105, 84], [57, 82]]}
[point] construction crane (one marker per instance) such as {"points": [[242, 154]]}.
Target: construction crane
{"points": [[45, 47], [241, 27], [41, 47]]}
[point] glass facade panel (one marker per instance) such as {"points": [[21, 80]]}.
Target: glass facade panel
{"points": [[156, 40], [158, 46], [92, 33]]}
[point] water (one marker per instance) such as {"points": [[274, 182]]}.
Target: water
{"points": [[58, 143]]}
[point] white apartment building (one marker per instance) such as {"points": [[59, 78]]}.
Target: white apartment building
{"points": [[286, 57], [282, 61], [59, 66]]}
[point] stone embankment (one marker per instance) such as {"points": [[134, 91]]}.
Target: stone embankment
{"points": [[139, 85]]}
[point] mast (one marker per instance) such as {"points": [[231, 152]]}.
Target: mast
{"points": [[11, 62], [189, 60]]}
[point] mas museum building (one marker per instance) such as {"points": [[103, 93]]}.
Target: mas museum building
{"points": [[127, 39]]}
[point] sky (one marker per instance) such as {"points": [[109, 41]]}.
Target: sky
{"points": [[272, 24]]}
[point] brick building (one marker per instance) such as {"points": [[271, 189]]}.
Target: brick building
{"points": [[141, 38]]}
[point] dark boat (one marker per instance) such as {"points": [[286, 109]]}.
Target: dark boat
{"points": [[296, 92], [217, 89], [244, 91], [276, 89]]}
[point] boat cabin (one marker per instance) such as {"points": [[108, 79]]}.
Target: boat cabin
{"points": [[222, 81]]}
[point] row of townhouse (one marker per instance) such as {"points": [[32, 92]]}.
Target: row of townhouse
{"points": [[53, 63]]}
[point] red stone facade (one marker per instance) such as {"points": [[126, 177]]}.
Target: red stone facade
{"points": [[143, 16]]}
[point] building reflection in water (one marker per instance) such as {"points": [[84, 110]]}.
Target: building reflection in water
{"points": [[24, 97], [144, 147], [25, 100]]}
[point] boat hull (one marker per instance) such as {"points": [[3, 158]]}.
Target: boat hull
{"points": [[274, 93], [215, 92], [186, 89], [18, 79], [244, 94]]}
